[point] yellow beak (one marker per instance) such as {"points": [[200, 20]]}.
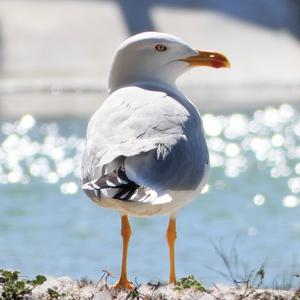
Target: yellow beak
{"points": [[208, 59]]}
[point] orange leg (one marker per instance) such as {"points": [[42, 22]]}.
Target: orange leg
{"points": [[171, 237], [123, 282]]}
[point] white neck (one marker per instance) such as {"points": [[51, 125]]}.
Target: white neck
{"points": [[126, 71]]}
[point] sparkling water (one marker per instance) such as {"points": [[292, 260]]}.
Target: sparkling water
{"points": [[48, 226]]}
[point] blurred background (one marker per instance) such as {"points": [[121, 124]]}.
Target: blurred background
{"points": [[54, 63]]}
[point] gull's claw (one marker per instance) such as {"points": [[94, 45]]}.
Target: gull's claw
{"points": [[124, 284]]}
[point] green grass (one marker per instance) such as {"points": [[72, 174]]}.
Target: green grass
{"points": [[13, 287], [188, 283]]}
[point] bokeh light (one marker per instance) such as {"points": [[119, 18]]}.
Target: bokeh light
{"points": [[31, 150]]}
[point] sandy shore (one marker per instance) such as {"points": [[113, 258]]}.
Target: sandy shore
{"points": [[66, 288]]}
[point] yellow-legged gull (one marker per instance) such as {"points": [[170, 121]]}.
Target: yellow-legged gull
{"points": [[145, 151]]}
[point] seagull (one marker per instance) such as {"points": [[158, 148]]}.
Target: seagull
{"points": [[145, 152]]}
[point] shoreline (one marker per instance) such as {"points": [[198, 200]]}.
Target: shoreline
{"points": [[80, 98], [52, 73]]}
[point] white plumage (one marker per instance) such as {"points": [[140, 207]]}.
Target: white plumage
{"points": [[145, 152]]}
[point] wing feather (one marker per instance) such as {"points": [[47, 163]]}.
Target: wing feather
{"points": [[157, 138]]}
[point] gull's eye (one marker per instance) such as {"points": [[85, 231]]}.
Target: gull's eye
{"points": [[160, 47]]}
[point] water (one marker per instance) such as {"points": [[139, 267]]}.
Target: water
{"points": [[48, 226]]}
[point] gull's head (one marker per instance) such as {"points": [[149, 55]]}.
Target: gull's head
{"points": [[157, 58]]}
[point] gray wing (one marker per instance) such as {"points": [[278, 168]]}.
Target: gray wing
{"points": [[158, 140]]}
